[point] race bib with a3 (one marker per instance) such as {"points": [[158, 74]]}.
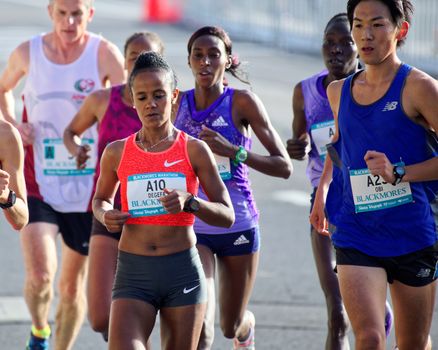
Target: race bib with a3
{"points": [[144, 191], [58, 161], [322, 134], [223, 166], [371, 192]]}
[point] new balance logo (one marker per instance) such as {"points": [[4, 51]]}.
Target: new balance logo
{"points": [[390, 106], [241, 240], [219, 122], [423, 273]]}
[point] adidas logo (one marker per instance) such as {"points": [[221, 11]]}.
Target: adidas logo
{"points": [[241, 240], [390, 106], [219, 122]]}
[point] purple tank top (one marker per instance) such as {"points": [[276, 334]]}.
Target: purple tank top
{"points": [[320, 123], [119, 122], [218, 118]]}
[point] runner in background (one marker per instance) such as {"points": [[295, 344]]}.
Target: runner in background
{"points": [[159, 169], [61, 68], [379, 198], [222, 117], [313, 127], [112, 109]]}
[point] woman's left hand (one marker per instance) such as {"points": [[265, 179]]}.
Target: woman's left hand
{"points": [[173, 200], [218, 144], [379, 164]]}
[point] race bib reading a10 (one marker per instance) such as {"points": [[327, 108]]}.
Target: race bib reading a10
{"points": [[144, 191], [371, 192]]}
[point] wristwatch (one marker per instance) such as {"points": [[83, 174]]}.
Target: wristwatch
{"points": [[241, 156], [12, 197], [399, 171], [191, 205]]}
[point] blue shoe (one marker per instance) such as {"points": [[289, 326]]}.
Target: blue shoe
{"points": [[388, 319], [35, 343]]}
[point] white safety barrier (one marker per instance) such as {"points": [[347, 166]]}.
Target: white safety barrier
{"points": [[298, 24]]}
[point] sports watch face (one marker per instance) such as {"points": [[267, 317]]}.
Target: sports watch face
{"points": [[400, 170]]}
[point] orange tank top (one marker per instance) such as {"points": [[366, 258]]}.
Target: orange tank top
{"points": [[144, 175]]}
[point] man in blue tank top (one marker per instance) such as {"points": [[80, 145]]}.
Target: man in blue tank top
{"points": [[61, 68], [379, 197]]}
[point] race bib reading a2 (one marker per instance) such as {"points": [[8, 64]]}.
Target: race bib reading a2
{"points": [[371, 192], [144, 191]]}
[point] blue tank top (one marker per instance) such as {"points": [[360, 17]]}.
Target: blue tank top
{"points": [[319, 123], [397, 223], [218, 118]]}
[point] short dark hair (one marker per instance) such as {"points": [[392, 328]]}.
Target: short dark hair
{"points": [[151, 36], [223, 35], [339, 17], [149, 60], [401, 10]]}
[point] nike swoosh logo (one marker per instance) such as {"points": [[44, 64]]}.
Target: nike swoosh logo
{"points": [[186, 291], [167, 164]]}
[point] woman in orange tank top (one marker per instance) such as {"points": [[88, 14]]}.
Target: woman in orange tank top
{"points": [[158, 169]]}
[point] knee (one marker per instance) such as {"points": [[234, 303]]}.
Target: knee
{"points": [[71, 292], [338, 322], [39, 281], [229, 329], [99, 322], [370, 339]]}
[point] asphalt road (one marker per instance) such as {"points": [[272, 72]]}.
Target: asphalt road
{"points": [[287, 300]]}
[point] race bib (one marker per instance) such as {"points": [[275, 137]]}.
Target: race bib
{"points": [[143, 191], [223, 166], [322, 134], [58, 161], [371, 192]]}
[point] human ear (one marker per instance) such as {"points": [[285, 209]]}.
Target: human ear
{"points": [[403, 31]]}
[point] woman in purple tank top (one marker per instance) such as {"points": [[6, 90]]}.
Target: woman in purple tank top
{"points": [[112, 109], [222, 116]]}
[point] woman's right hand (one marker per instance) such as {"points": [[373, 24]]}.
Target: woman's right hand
{"points": [[317, 216], [114, 220]]}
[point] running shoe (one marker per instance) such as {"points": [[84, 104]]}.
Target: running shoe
{"points": [[36, 343], [249, 343], [388, 318]]}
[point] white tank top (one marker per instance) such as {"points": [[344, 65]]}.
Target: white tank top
{"points": [[52, 95]]}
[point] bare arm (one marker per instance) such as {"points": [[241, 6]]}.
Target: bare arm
{"points": [[91, 111], [317, 216], [419, 102], [12, 175], [218, 210], [106, 188], [111, 64], [16, 68], [250, 109], [298, 145]]}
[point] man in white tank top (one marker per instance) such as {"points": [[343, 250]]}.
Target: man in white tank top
{"points": [[61, 68]]}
